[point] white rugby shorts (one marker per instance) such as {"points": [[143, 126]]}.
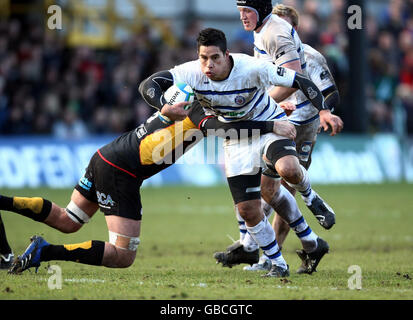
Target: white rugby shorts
{"points": [[245, 156]]}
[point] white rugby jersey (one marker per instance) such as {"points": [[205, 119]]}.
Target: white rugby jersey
{"points": [[319, 73], [279, 43], [243, 94]]}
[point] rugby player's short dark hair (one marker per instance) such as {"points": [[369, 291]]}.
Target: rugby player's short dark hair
{"points": [[212, 37]]}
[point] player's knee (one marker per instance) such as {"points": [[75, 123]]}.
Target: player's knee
{"points": [[125, 248], [69, 227], [278, 150], [248, 210], [289, 169], [125, 258]]}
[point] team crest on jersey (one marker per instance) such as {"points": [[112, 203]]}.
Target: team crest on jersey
{"points": [[239, 100], [306, 148], [151, 93], [311, 93]]}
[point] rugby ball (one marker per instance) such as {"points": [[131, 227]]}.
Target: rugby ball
{"points": [[179, 92]]}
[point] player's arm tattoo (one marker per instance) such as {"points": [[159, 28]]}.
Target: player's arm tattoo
{"points": [[152, 88], [331, 97], [310, 90]]}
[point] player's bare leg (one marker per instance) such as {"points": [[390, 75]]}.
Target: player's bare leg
{"points": [[284, 204], [237, 252], [67, 220], [70, 219], [281, 200], [281, 229], [261, 231], [124, 233], [296, 176]]}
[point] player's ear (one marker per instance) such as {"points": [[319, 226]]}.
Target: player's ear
{"points": [[226, 53]]}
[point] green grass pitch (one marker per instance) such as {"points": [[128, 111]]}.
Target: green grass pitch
{"points": [[183, 226]]}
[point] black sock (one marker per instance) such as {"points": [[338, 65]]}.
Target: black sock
{"points": [[37, 209], [4, 245], [89, 252]]}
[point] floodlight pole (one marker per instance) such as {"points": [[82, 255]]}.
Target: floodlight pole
{"points": [[357, 77]]}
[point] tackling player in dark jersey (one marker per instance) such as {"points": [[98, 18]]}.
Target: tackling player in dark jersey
{"points": [[112, 182]]}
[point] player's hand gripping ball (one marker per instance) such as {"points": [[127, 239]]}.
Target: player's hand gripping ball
{"points": [[179, 92]]}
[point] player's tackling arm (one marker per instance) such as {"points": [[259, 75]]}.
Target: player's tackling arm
{"points": [[210, 125]]}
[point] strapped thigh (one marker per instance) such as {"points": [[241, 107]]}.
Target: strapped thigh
{"points": [[76, 214], [280, 148], [245, 187]]}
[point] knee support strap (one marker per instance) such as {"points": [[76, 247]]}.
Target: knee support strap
{"points": [[245, 187], [124, 242], [278, 149]]}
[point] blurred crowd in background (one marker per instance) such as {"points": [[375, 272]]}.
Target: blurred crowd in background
{"points": [[48, 88]]}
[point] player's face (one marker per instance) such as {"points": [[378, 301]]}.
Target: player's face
{"points": [[215, 64], [248, 18]]}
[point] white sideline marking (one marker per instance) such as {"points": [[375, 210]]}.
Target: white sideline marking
{"points": [[85, 280], [204, 285], [201, 285]]}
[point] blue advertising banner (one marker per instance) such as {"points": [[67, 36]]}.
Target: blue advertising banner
{"points": [[37, 161], [33, 162]]}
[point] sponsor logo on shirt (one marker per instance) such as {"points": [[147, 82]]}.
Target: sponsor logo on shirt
{"points": [[281, 71], [104, 200], [233, 114]]}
